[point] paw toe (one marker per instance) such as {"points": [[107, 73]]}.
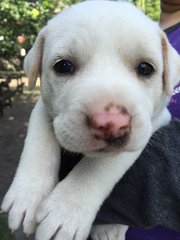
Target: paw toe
{"points": [[15, 219], [29, 224], [6, 204]]}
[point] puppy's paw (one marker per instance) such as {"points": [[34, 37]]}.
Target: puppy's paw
{"points": [[108, 232], [64, 215], [21, 201]]}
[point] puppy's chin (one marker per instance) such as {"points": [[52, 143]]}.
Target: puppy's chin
{"points": [[110, 150], [95, 148]]}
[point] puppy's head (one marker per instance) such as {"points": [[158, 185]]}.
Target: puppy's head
{"points": [[105, 79]]}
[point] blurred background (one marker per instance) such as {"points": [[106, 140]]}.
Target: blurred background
{"points": [[20, 22]]}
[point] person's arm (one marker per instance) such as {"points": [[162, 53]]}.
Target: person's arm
{"points": [[149, 193]]}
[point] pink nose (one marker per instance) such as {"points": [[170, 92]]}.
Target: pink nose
{"points": [[111, 123]]}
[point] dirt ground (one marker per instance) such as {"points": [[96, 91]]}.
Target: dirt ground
{"points": [[13, 128]]}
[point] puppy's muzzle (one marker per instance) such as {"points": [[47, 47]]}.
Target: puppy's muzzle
{"points": [[112, 125]]}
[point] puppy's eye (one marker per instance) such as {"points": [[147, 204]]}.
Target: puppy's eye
{"points": [[64, 66], [145, 69]]}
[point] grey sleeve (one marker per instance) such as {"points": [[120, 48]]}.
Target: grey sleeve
{"points": [[149, 193]]}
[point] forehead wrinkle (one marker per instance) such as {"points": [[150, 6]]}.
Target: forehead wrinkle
{"points": [[70, 47], [75, 41], [142, 47]]}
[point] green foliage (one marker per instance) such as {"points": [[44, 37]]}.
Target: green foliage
{"points": [[24, 18], [151, 8]]}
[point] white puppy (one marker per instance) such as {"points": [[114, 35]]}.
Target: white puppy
{"points": [[106, 73]]}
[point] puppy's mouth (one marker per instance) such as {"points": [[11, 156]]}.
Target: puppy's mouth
{"points": [[90, 141], [117, 142], [114, 144], [108, 145]]}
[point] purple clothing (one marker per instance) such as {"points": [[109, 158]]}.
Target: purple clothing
{"points": [[173, 34], [157, 233], [174, 104], [161, 233]]}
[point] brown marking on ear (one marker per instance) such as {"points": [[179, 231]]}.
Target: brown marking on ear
{"points": [[171, 65], [166, 70], [33, 60]]}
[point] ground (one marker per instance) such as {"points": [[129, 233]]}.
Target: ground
{"points": [[13, 128]]}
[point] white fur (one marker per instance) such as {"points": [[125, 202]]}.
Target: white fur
{"points": [[108, 232], [106, 47], [30, 184]]}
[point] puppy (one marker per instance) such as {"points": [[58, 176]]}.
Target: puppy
{"points": [[107, 72]]}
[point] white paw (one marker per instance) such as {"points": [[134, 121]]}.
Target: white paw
{"points": [[21, 201], [108, 232], [64, 215]]}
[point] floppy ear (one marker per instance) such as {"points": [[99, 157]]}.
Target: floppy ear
{"points": [[171, 65], [32, 62]]}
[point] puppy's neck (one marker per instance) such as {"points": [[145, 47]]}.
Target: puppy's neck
{"points": [[163, 119]]}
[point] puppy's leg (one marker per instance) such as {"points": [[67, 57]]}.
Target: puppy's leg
{"points": [[109, 232], [37, 172], [70, 209]]}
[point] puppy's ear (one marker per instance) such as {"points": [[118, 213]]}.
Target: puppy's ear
{"points": [[171, 63], [33, 60]]}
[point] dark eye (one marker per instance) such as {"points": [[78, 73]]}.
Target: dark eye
{"points": [[145, 69], [64, 66]]}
